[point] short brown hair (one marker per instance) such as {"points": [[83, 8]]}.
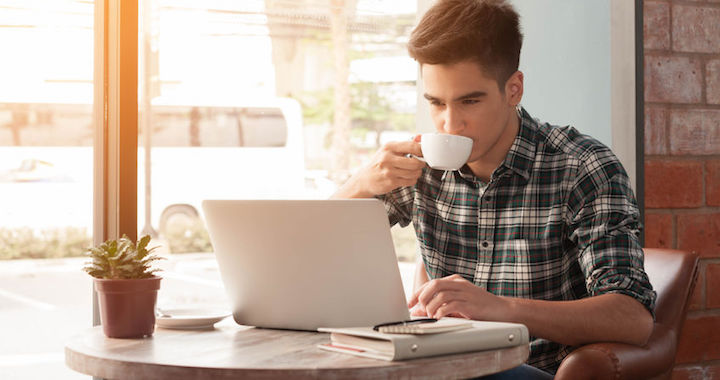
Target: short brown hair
{"points": [[484, 31]]}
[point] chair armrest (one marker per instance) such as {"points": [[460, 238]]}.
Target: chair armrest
{"points": [[600, 361]]}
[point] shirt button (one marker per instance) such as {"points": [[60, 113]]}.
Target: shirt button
{"points": [[485, 244]]}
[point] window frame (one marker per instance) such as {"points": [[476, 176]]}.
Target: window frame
{"points": [[115, 117]]}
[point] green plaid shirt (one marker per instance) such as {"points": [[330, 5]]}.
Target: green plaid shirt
{"points": [[557, 221]]}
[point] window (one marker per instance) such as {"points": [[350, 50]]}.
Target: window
{"points": [[46, 169]]}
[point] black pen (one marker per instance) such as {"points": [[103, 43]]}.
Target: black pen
{"points": [[405, 323]]}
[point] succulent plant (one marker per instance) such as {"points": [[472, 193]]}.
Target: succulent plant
{"points": [[122, 259]]}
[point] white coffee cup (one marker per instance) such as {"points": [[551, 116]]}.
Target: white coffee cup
{"points": [[445, 152]]}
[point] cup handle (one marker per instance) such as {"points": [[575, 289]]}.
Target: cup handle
{"points": [[410, 155]]}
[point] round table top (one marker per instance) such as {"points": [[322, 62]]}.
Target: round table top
{"points": [[230, 351]]}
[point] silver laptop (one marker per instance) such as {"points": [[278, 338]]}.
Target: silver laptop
{"points": [[304, 264]]}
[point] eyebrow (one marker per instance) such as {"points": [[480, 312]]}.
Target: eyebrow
{"points": [[474, 94]]}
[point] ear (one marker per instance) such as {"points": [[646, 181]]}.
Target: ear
{"points": [[514, 88]]}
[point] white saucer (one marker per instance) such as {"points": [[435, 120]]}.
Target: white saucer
{"points": [[190, 318]]}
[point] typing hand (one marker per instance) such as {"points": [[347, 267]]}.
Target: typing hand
{"points": [[454, 296]]}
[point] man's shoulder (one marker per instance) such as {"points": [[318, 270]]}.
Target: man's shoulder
{"points": [[569, 141], [584, 160], [575, 147]]}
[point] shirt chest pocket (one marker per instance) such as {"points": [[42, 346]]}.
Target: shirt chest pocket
{"points": [[526, 268]]}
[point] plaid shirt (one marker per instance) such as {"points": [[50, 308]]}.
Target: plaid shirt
{"points": [[557, 221]]}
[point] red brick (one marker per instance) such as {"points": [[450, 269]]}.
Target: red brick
{"points": [[656, 25], [712, 81], [684, 373], [694, 132], [671, 184], [699, 233], [697, 297], [699, 340], [673, 79], [712, 183], [696, 29], [658, 230], [712, 287], [655, 130], [697, 372]]}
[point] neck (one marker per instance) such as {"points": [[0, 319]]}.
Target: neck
{"points": [[486, 165]]}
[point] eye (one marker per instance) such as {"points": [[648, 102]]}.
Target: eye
{"points": [[470, 102], [436, 103]]}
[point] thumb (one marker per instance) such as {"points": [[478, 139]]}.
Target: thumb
{"points": [[418, 312]]}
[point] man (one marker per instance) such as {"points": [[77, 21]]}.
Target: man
{"points": [[540, 226]]}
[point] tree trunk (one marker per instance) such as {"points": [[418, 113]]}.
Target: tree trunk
{"points": [[195, 126], [287, 55], [340, 149], [20, 120]]}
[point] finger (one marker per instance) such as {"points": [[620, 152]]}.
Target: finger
{"points": [[401, 160], [418, 312], [431, 290], [442, 298], [408, 163], [388, 176], [414, 299], [402, 174], [451, 309], [425, 293], [401, 148]]}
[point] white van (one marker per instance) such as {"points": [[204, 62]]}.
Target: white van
{"points": [[250, 149], [242, 149]]}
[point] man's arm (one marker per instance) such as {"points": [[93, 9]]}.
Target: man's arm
{"points": [[603, 318], [388, 170]]}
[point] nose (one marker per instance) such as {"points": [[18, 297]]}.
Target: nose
{"points": [[453, 121]]}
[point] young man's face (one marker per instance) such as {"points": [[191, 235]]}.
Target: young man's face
{"points": [[465, 101]]}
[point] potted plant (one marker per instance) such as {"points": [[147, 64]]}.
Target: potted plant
{"points": [[126, 285]]}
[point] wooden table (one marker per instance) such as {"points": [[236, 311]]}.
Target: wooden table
{"points": [[230, 351]]}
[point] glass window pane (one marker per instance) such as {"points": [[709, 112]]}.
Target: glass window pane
{"points": [[262, 99], [46, 183]]}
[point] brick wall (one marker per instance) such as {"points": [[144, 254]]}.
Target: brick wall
{"points": [[682, 160]]}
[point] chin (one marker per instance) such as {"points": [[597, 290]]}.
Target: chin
{"points": [[475, 156]]}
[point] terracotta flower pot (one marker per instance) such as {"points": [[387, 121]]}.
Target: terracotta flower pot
{"points": [[127, 307]]}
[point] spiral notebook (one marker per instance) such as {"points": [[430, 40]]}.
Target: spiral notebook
{"points": [[442, 325]]}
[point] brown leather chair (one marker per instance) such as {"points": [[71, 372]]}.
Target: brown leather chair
{"points": [[672, 274]]}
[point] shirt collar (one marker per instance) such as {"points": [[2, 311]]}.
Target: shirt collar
{"points": [[521, 156]]}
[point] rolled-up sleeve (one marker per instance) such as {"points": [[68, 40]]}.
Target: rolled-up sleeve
{"points": [[605, 227], [398, 204]]}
